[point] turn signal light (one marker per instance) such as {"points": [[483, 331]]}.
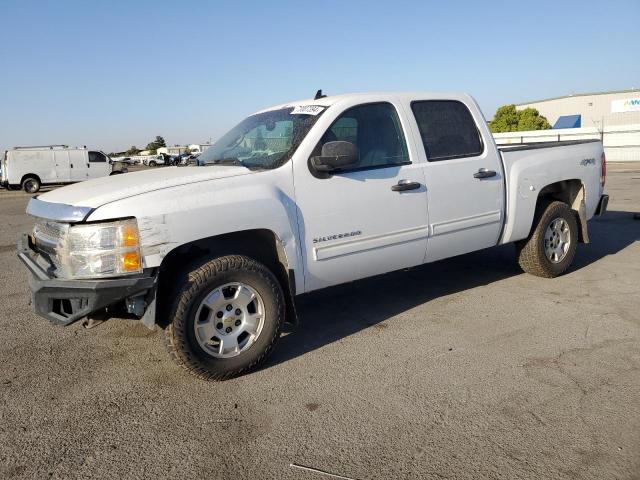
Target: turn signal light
{"points": [[130, 236], [131, 261]]}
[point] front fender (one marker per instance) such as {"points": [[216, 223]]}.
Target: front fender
{"points": [[171, 217]]}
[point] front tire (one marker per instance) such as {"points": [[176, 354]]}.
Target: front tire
{"points": [[549, 250], [31, 185], [226, 318], [152, 163]]}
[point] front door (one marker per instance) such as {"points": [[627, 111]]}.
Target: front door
{"points": [[371, 218], [463, 176], [98, 165]]}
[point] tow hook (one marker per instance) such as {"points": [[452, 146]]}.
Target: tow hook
{"points": [[136, 305]]}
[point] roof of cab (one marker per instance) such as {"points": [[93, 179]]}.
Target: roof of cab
{"points": [[331, 99]]}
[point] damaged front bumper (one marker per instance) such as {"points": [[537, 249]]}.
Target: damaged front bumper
{"points": [[64, 302]]}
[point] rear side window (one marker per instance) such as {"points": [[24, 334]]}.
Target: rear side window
{"points": [[97, 157], [447, 130], [375, 130]]}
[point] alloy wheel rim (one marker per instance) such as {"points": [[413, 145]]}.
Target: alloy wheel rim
{"points": [[557, 240], [229, 320]]}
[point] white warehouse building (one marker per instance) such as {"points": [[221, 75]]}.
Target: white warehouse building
{"points": [[601, 109], [612, 117]]}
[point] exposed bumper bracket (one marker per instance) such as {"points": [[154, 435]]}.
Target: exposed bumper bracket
{"points": [[65, 301]]}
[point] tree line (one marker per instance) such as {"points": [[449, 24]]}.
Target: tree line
{"points": [[152, 146], [510, 119]]}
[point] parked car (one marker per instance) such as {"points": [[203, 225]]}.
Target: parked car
{"points": [[297, 198], [32, 167], [184, 159], [154, 160], [130, 161]]}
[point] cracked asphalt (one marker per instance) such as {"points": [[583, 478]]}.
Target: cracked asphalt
{"points": [[462, 369]]}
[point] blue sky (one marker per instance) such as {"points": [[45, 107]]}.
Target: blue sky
{"points": [[115, 73]]}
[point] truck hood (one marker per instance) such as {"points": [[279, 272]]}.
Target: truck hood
{"points": [[100, 191]]}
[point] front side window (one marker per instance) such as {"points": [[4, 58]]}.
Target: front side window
{"points": [[447, 130], [97, 157], [376, 132], [263, 141]]}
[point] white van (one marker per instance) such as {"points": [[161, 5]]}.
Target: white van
{"points": [[32, 167]]}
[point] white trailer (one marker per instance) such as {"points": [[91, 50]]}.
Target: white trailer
{"points": [[32, 167]]}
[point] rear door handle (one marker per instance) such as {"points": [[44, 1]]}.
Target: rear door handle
{"points": [[403, 185], [484, 173]]}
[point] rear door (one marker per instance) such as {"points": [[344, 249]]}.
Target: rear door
{"points": [[463, 175], [79, 167], [62, 167], [98, 165]]}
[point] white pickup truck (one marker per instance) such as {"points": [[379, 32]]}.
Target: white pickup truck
{"points": [[296, 198]]}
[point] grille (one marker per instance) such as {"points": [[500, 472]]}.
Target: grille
{"points": [[47, 236]]}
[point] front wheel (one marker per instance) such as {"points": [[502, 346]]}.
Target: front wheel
{"points": [[31, 185], [549, 250], [226, 318], [152, 163]]}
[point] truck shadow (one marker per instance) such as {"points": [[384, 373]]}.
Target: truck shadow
{"points": [[334, 313], [609, 234]]}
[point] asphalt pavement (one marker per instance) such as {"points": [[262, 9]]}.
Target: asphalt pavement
{"points": [[463, 369]]}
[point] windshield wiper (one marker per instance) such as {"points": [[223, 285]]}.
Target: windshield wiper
{"points": [[227, 161]]}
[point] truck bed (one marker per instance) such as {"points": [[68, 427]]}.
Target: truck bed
{"points": [[530, 167]]}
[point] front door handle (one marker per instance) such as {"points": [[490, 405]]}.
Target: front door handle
{"points": [[403, 185], [484, 173]]}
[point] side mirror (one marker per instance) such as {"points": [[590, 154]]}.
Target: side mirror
{"points": [[336, 156]]}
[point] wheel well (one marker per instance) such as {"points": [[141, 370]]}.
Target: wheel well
{"points": [[260, 244], [572, 193], [30, 175]]}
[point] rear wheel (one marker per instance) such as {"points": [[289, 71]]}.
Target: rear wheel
{"points": [[226, 318], [549, 250], [31, 185]]}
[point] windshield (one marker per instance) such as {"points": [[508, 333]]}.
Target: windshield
{"points": [[263, 141]]}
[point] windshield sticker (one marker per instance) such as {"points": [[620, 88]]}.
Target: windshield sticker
{"points": [[307, 110]]}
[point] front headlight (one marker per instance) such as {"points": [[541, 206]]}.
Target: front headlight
{"points": [[93, 250]]}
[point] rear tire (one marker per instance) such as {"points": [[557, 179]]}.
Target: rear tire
{"points": [[31, 185], [551, 246], [226, 318]]}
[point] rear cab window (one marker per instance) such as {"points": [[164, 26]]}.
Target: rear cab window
{"points": [[447, 129]]}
